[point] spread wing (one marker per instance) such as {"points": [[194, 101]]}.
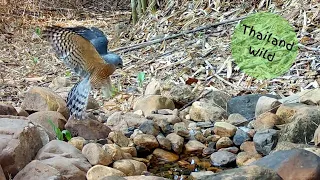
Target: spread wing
{"points": [[75, 51], [95, 36]]}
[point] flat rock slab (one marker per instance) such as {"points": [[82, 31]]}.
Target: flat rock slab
{"points": [[56, 159], [244, 173], [295, 164], [245, 105]]}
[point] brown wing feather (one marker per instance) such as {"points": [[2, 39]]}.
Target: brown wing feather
{"points": [[75, 51]]}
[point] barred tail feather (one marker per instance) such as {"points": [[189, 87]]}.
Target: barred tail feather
{"points": [[78, 98]]}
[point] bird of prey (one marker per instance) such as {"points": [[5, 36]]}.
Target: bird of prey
{"points": [[84, 51], [100, 42]]}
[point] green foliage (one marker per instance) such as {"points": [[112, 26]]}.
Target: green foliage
{"points": [[60, 134], [200, 34], [141, 78], [114, 90], [68, 73], [67, 134], [38, 31], [35, 60]]}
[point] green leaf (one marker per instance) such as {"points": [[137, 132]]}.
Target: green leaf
{"points": [[141, 78], [38, 31], [56, 130], [68, 73], [67, 134], [35, 60], [114, 90]]}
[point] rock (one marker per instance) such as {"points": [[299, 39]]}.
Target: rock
{"points": [[149, 127], [62, 91], [22, 112], [88, 129], [184, 113], [181, 129], [224, 129], [2, 176], [153, 102], [65, 158], [124, 166], [237, 119], [266, 104], [139, 112], [113, 178], [198, 175], [245, 173], [240, 137], [59, 82], [207, 132], [142, 177], [165, 156], [176, 142], [180, 94], [77, 142], [165, 126], [217, 98], [245, 158], [153, 88], [119, 138], [245, 105], [96, 155], [316, 137], [201, 111], [284, 145], [302, 127], [7, 109], [233, 149], [224, 142], [135, 133], [92, 104], [248, 147], [287, 111], [19, 143], [130, 150], [42, 119], [213, 138], [164, 142], [100, 171], [266, 120], [37, 170], [293, 98], [167, 112], [121, 122], [223, 158], [172, 119], [43, 99], [146, 141], [265, 141], [194, 147], [206, 124], [314, 150], [295, 164], [127, 155], [139, 167], [310, 96], [208, 151], [114, 150], [199, 136], [251, 132]]}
